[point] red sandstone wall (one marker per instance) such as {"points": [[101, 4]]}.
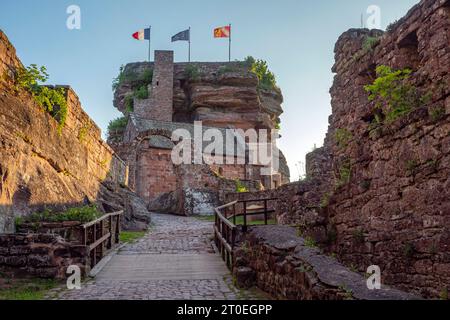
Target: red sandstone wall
{"points": [[40, 167], [158, 174], [394, 211]]}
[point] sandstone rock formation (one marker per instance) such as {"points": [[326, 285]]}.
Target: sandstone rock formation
{"points": [[377, 193], [221, 95], [41, 168]]}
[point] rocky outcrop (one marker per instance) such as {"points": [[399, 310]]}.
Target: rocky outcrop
{"points": [[41, 167], [282, 264], [377, 193], [219, 94]]}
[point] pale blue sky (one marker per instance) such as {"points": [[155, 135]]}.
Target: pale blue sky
{"points": [[296, 37]]}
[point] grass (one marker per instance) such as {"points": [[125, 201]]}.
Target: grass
{"points": [[131, 236], [206, 218], [25, 289]]}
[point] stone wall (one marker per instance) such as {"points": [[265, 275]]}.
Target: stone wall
{"points": [[279, 262], [391, 208], [41, 255], [41, 167], [394, 210]]}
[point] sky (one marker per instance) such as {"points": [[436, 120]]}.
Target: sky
{"points": [[295, 37]]}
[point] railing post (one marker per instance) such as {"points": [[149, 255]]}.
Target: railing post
{"points": [[234, 214], [265, 212], [244, 228], [111, 232]]}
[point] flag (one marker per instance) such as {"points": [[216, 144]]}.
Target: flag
{"points": [[222, 32], [182, 36], [143, 34]]}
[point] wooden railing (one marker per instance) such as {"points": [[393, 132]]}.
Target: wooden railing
{"points": [[101, 235], [225, 231]]}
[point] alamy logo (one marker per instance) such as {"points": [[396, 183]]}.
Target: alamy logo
{"points": [[73, 22], [374, 279], [374, 19], [227, 146], [74, 280]]}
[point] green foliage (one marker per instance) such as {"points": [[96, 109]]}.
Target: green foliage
{"points": [[225, 69], [310, 242], [192, 72], [370, 43], [240, 187], [411, 166], [79, 214], [130, 236], [249, 61], [443, 295], [358, 235], [26, 289], [129, 103], [118, 124], [82, 134], [141, 93], [436, 113], [131, 77], [342, 137], [392, 93], [325, 201], [278, 124], [345, 170], [50, 100], [391, 26], [265, 76], [29, 78]]}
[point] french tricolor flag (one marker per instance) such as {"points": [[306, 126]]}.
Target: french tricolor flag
{"points": [[143, 34]]}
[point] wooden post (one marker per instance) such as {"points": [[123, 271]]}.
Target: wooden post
{"points": [[244, 228], [265, 212]]}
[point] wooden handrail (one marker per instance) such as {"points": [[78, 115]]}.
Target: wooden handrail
{"points": [[99, 239], [102, 218]]}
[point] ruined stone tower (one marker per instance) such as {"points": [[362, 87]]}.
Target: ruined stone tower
{"points": [[159, 106]]}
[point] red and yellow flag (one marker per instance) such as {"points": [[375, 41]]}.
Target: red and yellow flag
{"points": [[222, 32]]}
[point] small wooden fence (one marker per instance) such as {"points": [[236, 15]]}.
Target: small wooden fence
{"points": [[225, 231], [101, 235]]}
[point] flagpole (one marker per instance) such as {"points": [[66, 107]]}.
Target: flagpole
{"points": [[149, 44], [229, 46], [189, 54]]}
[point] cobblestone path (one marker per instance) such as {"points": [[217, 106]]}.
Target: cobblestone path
{"points": [[175, 260]]}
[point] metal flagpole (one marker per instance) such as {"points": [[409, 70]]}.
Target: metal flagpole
{"points": [[229, 46], [149, 43], [189, 55]]}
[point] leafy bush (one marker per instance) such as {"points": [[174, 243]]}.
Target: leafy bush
{"points": [[345, 171], [50, 100], [392, 93], [370, 43], [192, 72], [80, 214], [131, 77], [343, 137], [141, 93], [129, 103], [240, 187], [265, 76], [118, 124]]}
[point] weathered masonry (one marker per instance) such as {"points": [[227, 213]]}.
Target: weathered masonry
{"points": [[221, 95]]}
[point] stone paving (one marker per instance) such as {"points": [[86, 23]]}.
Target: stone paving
{"points": [[174, 261]]}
